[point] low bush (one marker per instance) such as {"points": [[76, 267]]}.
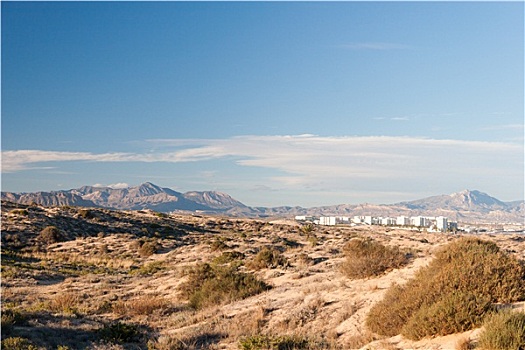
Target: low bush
{"points": [[283, 342], [228, 257], [452, 313], [17, 343], [50, 235], [503, 331], [209, 285], [22, 212], [147, 247], [149, 268], [11, 317], [67, 303], [367, 258], [218, 244], [267, 258], [467, 267], [120, 332]]}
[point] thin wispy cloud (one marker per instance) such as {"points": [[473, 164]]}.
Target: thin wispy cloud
{"points": [[305, 161], [380, 46], [503, 127]]}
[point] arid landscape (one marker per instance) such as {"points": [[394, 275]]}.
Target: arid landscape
{"points": [[92, 278]]}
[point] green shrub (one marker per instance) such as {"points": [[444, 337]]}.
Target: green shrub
{"points": [[149, 269], [218, 244], [209, 285], [50, 235], [268, 258], [283, 342], [120, 332], [453, 313], [17, 343], [503, 331], [10, 317], [228, 257], [466, 266], [367, 258]]}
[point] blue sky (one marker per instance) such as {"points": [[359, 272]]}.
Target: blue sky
{"points": [[275, 103]]}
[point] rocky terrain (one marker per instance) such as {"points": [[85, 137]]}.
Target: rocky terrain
{"points": [[465, 206], [95, 278]]}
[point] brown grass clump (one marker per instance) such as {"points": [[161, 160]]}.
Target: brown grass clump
{"points": [[367, 258], [148, 248], [464, 273], [145, 305], [209, 285], [67, 303], [267, 258], [503, 331]]}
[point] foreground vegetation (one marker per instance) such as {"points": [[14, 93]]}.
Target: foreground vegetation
{"points": [[453, 294], [76, 278]]}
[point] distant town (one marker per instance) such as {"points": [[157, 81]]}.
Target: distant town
{"points": [[430, 224]]}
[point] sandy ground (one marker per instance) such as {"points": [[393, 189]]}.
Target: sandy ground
{"points": [[310, 297]]}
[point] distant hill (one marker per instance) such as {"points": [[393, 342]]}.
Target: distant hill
{"points": [[463, 206]]}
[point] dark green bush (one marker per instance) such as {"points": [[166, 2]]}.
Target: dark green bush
{"points": [[209, 285], [120, 332], [503, 331], [465, 267], [367, 258]]}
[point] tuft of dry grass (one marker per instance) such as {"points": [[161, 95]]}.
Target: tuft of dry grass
{"points": [[464, 343], [67, 303], [144, 305], [473, 269], [367, 258]]}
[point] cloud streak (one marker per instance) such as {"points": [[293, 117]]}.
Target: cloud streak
{"points": [[308, 160]]}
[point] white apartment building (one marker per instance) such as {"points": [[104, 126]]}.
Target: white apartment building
{"points": [[402, 221], [442, 223], [327, 220]]}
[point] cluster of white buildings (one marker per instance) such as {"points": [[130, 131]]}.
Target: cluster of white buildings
{"points": [[438, 223]]}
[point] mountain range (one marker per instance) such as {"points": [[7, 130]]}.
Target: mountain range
{"points": [[462, 206]]}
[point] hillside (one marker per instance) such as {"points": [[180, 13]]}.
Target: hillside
{"points": [[119, 276], [465, 206]]}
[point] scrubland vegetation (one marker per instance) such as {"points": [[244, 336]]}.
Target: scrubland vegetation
{"points": [[97, 279]]}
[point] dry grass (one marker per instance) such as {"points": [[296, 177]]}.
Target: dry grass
{"points": [[143, 305], [67, 303]]}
